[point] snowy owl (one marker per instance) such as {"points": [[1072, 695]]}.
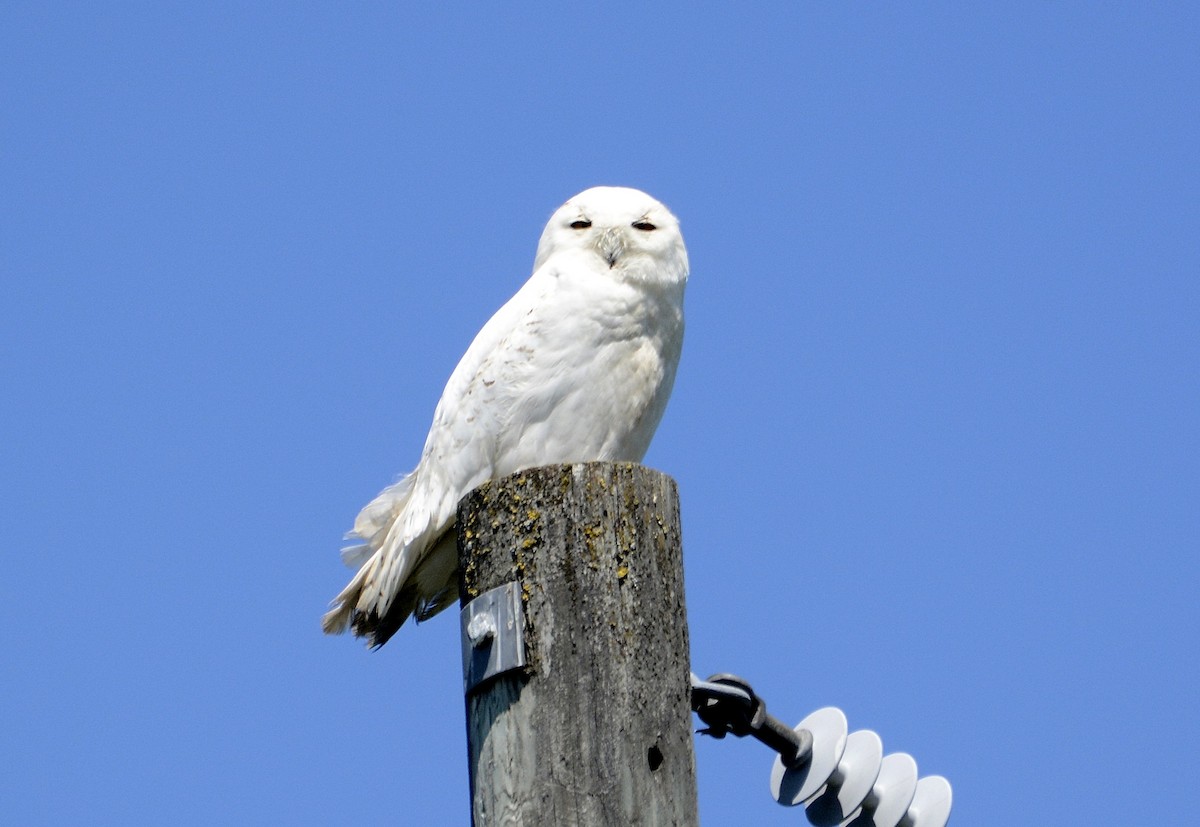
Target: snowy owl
{"points": [[577, 366]]}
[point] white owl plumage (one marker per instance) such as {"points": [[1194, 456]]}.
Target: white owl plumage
{"points": [[577, 366]]}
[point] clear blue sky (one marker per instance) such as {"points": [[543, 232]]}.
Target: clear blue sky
{"points": [[935, 429]]}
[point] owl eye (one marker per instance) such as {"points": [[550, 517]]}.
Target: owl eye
{"points": [[581, 224], [644, 226]]}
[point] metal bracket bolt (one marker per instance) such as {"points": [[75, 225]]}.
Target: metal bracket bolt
{"points": [[493, 634]]}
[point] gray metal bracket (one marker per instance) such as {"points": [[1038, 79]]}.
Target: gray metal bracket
{"points": [[493, 634]]}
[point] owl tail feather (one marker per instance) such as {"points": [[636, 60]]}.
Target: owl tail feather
{"points": [[358, 607], [359, 604], [400, 574]]}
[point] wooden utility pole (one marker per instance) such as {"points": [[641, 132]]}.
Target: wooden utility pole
{"points": [[595, 730]]}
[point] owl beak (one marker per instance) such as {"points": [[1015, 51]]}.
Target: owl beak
{"points": [[610, 244]]}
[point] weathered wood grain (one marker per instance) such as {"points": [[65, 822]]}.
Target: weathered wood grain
{"points": [[597, 729]]}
